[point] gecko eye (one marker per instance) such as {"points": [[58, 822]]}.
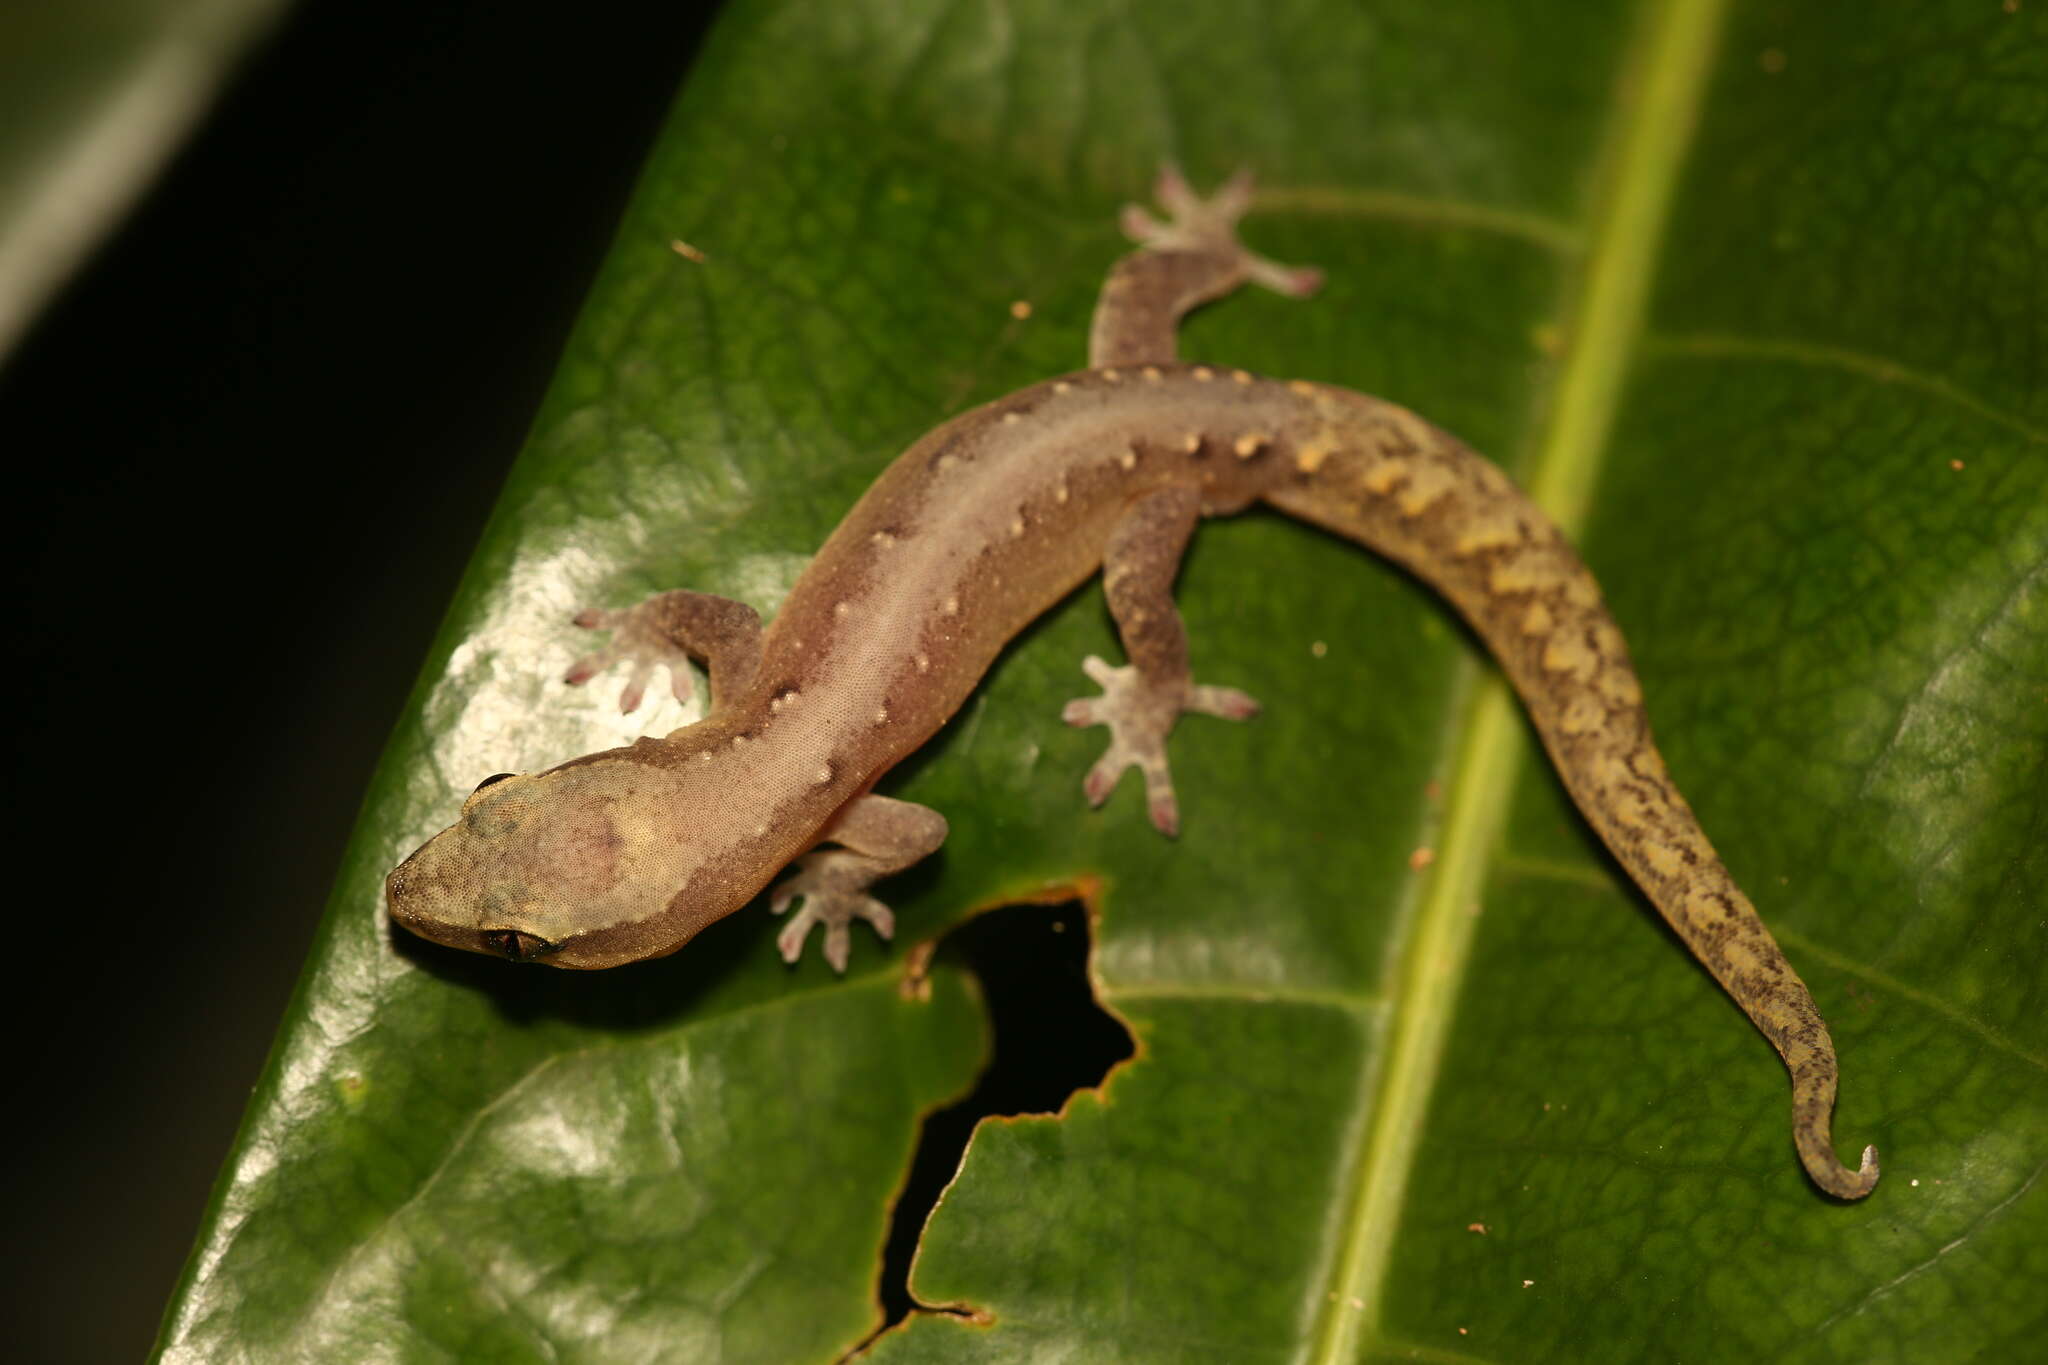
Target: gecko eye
{"points": [[518, 947], [476, 794]]}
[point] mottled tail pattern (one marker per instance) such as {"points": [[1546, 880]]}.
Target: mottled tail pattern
{"points": [[1381, 475]]}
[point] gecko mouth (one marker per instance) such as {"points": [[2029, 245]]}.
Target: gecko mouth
{"points": [[515, 946]]}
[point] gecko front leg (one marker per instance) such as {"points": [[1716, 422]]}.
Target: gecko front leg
{"points": [[1142, 701], [668, 630], [877, 835]]}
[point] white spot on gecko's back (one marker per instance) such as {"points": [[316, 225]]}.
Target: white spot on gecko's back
{"points": [[1620, 688], [1431, 480], [1535, 569], [1380, 479], [1491, 531], [1317, 448], [1582, 714], [1704, 908], [1663, 859], [1568, 652]]}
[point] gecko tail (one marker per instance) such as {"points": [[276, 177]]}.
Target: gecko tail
{"points": [[1817, 1154]]}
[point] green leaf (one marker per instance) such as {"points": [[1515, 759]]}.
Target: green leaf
{"points": [[1749, 295]]}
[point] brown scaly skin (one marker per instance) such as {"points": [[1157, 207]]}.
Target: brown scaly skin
{"points": [[1413, 493], [970, 535]]}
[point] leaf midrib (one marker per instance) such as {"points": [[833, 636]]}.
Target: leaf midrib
{"points": [[1606, 289]]}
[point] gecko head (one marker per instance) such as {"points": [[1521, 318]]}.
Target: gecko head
{"points": [[583, 866]]}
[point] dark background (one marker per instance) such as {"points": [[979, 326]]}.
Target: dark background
{"points": [[248, 452]]}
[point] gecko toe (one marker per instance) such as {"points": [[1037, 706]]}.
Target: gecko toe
{"points": [[1171, 188], [1165, 814], [638, 640], [1101, 779], [838, 947], [1195, 223], [1225, 703], [829, 884]]}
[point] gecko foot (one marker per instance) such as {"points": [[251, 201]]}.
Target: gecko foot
{"points": [[1197, 224], [833, 884], [1140, 715], [639, 638]]}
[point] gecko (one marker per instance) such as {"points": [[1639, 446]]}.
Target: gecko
{"points": [[973, 532]]}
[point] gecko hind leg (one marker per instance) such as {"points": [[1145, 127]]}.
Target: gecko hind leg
{"points": [[1183, 261], [1143, 700]]}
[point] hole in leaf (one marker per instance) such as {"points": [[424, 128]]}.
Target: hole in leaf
{"points": [[1051, 1038]]}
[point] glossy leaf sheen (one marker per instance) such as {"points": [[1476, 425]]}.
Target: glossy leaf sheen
{"points": [[1476, 1105]]}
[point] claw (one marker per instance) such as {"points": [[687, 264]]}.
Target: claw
{"points": [[1165, 813]]}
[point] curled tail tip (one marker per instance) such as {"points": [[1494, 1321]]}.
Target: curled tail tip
{"points": [[1841, 1182]]}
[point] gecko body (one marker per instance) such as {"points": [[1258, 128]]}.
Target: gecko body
{"points": [[972, 533]]}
